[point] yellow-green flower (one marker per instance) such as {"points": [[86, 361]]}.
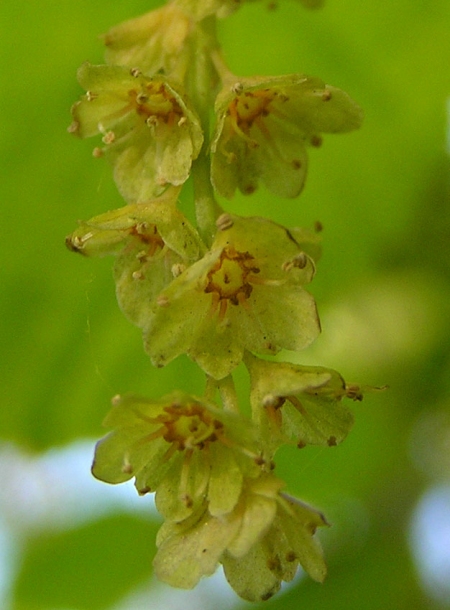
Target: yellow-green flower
{"points": [[153, 42], [246, 293], [152, 242], [182, 447], [151, 134], [260, 543], [264, 125], [299, 403]]}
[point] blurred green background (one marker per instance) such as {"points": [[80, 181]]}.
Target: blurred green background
{"points": [[382, 195]]}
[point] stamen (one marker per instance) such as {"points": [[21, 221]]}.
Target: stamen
{"points": [[274, 415], [223, 309], [253, 279], [184, 478], [257, 458], [170, 452], [301, 409], [73, 127], [90, 95], [109, 137], [224, 222], [177, 269], [153, 436], [162, 301], [251, 143], [127, 468]]}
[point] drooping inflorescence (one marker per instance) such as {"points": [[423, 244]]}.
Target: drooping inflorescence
{"points": [[226, 291]]}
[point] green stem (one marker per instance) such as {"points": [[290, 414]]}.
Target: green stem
{"points": [[201, 79], [210, 388], [228, 394], [207, 210]]}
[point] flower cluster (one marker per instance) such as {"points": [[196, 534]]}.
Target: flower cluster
{"points": [[224, 290]]}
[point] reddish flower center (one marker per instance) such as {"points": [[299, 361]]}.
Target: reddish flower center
{"points": [[230, 279], [149, 236], [248, 107], [189, 426], [156, 105]]}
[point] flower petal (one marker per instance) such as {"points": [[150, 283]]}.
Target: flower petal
{"points": [[250, 575], [225, 482], [188, 553]]}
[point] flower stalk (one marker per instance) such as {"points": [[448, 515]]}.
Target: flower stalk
{"points": [[226, 291]]}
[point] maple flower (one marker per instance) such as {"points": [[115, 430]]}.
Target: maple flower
{"points": [[299, 403], [246, 293], [151, 134], [264, 125], [182, 447], [153, 42], [260, 543], [151, 241]]}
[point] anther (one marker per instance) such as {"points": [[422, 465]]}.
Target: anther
{"points": [[144, 490], [116, 400], [75, 244], [141, 98], [109, 137], [98, 152], [353, 391], [90, 95], [187, 501], [273, 563], [270, 400], [177, 269], [290, 556], [318, 226], [141, 227], [224, 222], [237, 88], [259, 460], [73, 127], [142, 256], [137, 275], [299, 261], [152, 121], [135, 72], [162, 301], [127, 468], [326, 95]]}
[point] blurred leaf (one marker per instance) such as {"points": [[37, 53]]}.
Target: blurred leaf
{"points": [[87, 568]]}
